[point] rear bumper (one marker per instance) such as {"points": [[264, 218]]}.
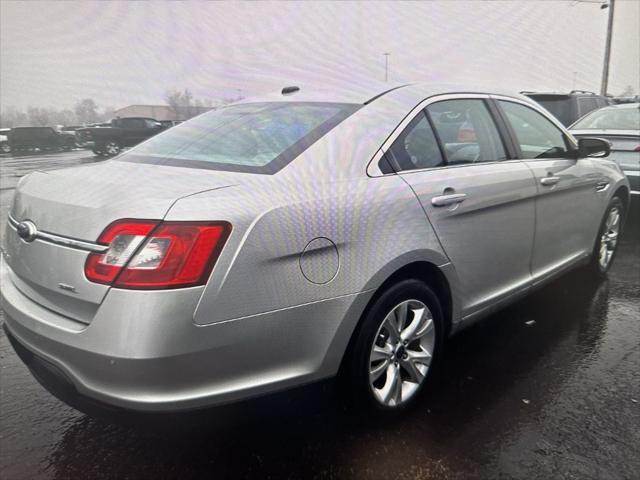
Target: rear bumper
{"points": [[143, 352], [54, 379]]}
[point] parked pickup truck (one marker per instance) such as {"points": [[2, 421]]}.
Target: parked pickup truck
{"points": [[42, 138], [109, 140]]}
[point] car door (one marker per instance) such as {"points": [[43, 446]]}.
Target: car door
{"points": [[480, 203], [568, 188], [134, 131]]}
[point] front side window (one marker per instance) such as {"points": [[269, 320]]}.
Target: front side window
{"points": [[416, 147], [254, 137], [132, 123], [467, 131], [537, 136]]}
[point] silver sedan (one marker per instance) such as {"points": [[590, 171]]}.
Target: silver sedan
{"points": [[620, 125], [295, 237]]}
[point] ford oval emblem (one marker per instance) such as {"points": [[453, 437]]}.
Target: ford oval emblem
{"points": [[27, 231]]}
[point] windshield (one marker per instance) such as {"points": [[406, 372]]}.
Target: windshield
{"points": [[255, 138], [610, 119]]}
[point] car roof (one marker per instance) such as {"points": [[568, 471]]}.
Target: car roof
{"points": [[371, 92], [342, 93], [135, 118], [623, 106], [572, 93], [618, 106]]}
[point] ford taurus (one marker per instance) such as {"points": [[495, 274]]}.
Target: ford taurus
{"points": [[295, 237]]}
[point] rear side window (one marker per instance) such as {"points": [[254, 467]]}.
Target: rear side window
{"points": [[537, 136], [254, 138], [416, 147], [467, 131]]}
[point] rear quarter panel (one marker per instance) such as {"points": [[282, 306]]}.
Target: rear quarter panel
{"points": [[376, 225]]}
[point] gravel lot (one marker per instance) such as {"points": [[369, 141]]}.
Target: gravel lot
{"points": [[559, 398]]}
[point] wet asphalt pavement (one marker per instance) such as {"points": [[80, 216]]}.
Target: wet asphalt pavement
{"points": [[557, 398]]}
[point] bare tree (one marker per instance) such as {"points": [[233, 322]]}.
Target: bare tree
{"points": [[628, 91], [107, 114], [179, 101], [39, 117], [12, 117], [184, 105], [62, 117], [86, 111]]}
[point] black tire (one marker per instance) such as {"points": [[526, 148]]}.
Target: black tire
{"points": [[355, 375], [111, 148], [595, 266], [5, 147]]}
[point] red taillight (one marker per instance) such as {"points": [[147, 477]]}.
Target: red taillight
{"points": [[123, 238], [152, 255]]}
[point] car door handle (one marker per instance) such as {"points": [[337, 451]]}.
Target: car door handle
{"points": [[548, 181], [444, 200]]}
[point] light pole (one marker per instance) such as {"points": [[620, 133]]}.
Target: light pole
{"points": [[386, 66], [607, 48]]}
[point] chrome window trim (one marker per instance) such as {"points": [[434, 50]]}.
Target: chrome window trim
{"points": [[373, 170], [61, 240]]}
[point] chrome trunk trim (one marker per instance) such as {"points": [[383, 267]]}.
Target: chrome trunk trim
{"points": [[61, 240]]}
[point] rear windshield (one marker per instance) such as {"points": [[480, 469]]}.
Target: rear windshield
{"points": [[610, 119], [254, 138], [559, 106]]}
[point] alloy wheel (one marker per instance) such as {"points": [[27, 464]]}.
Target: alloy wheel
{"points": [[112, 148], [401, 353], [609, 238]]}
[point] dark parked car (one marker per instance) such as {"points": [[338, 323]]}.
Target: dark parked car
{"points": [[627, 99], [4, 140], [119, 133], [569, 107], [42, 138], [170, 123]]}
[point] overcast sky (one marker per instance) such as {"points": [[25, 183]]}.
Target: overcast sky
{"points": [[55, 53]]}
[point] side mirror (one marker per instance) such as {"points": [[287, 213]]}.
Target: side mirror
{"points": [[593, 147]]}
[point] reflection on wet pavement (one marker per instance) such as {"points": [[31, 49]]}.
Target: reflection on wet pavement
{"points": [[557, 397]]}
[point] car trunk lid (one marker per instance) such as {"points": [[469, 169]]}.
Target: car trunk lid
{"points": [[76, 205]]}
